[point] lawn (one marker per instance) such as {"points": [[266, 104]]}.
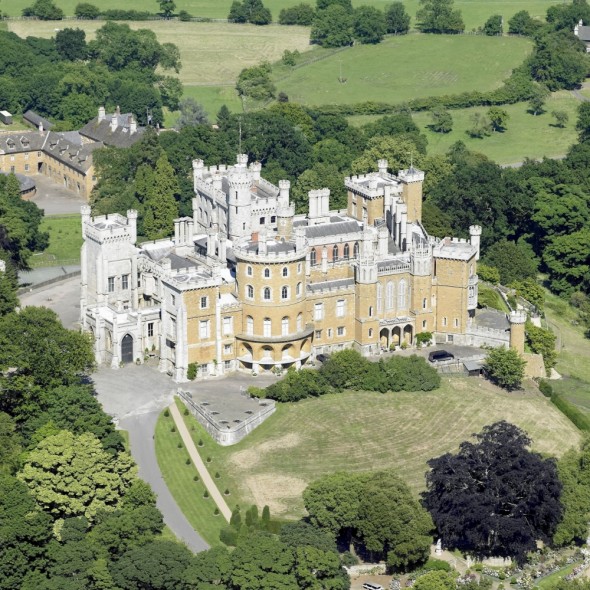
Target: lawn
{"points": [[489, 297], [526, 135], [212, 98], [475, 12], [406, 67], [65, 241], [179, 478], [360, 431], [574, 351], [211, 53]]}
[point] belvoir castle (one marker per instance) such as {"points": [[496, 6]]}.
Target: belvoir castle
{"points": [[246, 284]]}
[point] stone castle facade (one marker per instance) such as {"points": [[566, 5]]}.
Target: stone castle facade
{"points": [[246, 284]]}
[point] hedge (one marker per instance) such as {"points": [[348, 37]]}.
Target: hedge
{"points": [[568, 409]]}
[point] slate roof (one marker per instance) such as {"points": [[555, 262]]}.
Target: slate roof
{"points": [[23, 141], [329, 285], [26, 183], [74, 155], [101, 131], [584, 33], [325, 230], [34, 119]]}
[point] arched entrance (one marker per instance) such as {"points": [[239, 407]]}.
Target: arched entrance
{"points": [[384, 338], [408, 334], [127, 349]]}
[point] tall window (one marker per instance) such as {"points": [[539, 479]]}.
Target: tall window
{"points": [[249, 291], [284, 292], [111, 284], [285, 271], [313, 257], [379, 297], [335, 253], [249, 271], [346, 251], [249, 325], [340, 308], [424, 303], [267, 327], [285, 326], [340, 331], [299, 322], [318, 312], [267, 273], [150, 330], [401, 296], [298, 290], [356, 250], [389, 295], [204, 329], [204, 302], [228, 325], [266, 294]]}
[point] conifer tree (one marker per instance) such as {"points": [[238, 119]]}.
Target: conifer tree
{"points": [[160, 205]]}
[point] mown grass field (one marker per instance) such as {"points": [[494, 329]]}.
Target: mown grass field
{"points": [[475, 12], [406, 67], [363, 431], [211, 53], [179, 478], [65, 241]]}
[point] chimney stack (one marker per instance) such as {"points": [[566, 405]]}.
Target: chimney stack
{"points": [[114, 122], [101, 114]]}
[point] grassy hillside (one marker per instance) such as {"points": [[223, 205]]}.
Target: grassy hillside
{"points": [[363, 431], [526, 136], [474, 12], [65, 241], [401, 68]]}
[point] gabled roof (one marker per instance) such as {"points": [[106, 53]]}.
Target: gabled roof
{"points": [[121, 137], [34, 119], [584, 33]]}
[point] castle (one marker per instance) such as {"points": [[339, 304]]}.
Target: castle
{"points": [[246, 284]]}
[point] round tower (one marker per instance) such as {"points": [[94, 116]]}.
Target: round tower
{"points": [[517, 322], [240, 209], [285, 211]]}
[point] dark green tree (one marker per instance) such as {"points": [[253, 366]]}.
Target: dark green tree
{"points": [[561, 118], [87, 11], [493, 26], [505, 368], [71, 44], [323, 4], [255, 82], [397, 19], [498, 118], [44, 10], [301, 14], [369, 25], [523, 24], [538, 98], [514, 260], [442, 121], [167, 7], [191, 113], [332, 27], [438, 16]]}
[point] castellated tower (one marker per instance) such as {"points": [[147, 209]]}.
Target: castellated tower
{"points": [[517, 322], [475, 238], [285, 211], [412, 180], [367, 323], [239, 202]]}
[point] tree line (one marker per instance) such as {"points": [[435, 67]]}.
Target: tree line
{"points": [[66, 78]]}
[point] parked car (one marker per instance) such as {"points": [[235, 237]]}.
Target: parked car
{"points": [[322, 358], [371, 586], [440, 355]]}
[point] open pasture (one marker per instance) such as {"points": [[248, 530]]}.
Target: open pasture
{"points": [[358, 431], [475, 12], [406, 67], [211, 53]]}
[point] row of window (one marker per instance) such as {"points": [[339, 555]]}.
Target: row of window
{"points": [[267, 326], [267, 292], [266, 273], [340, 331], [390, 295], [313, 255], [124, 283], [318, 310]]}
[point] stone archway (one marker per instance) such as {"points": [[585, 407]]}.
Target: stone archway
{"points": [[384, 338], [396, 336], [127, 349], [408, 334]]}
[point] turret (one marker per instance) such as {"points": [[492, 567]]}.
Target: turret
{"points": [[239, 210], [517, 322], [475, 237], [412, 180]]}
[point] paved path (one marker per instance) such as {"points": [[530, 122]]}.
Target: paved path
{"points": [[198, 463]]}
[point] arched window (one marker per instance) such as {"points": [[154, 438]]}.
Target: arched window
{"points": [[249, 270], [370, 311], [389, 295], [335, 253], [285, 326], [298, 291], [379, 297], [267, 333], [370, 332], [346, 251], [355, 251], [285, 271], [267, 273], [313, 257], [299, 322], [249, 325], [250, 291], [401, 295], [266, 294], [284, 292]]}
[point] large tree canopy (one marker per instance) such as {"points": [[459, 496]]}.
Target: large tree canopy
{"points": [[494, 497]]}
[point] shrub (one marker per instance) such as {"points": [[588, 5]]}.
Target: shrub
{"points": [[569, 410], [87, 11], [545, 388], [173, 429], [437, 564], [44, 10], [184, 16], [229, 536], [423, 338], [200, 443], [188, 461], [206, 494], [118, 14], [217, 475], [216, 511], [186, 412], [191, 372], [196, 478], [209, 459], [179, 445], [226, 492], [489, 274], [167, 413], [301, 14]]}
